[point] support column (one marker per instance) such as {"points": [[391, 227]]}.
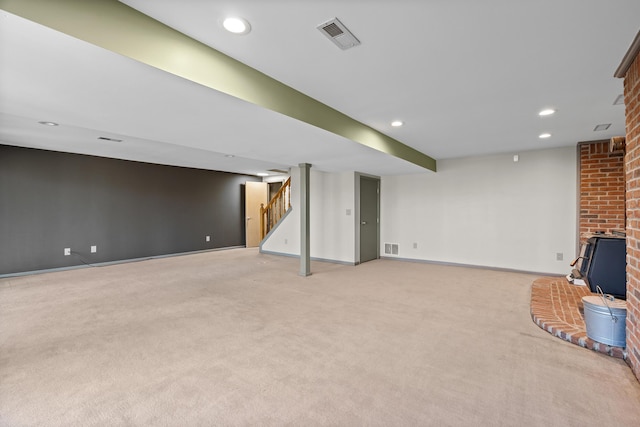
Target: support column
{"points": [[305, 247]]}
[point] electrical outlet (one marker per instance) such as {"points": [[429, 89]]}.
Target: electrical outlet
{"points": [[286, 241], [67, 251], [348, 212], [207, 239], [415, 245], [94, 249], [559, 256]]}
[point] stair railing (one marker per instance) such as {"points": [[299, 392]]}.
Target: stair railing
{"points": [[275, 209]]}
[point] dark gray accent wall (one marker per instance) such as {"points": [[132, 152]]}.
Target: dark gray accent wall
{"points": [[50, 201]]}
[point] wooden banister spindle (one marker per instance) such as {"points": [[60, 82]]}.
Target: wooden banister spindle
{"points": [[262, 212]]}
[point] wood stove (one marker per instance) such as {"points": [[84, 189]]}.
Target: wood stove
{"points": [[602, 262]]}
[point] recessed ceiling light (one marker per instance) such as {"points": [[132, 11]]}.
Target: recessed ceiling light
{"points": [[49, 123], [604, 126], [397, 123], [547, 112], [230, 156], [236, 25], [544, 135], [262, 174]]}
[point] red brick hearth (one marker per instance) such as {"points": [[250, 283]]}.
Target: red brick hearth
{"points": [[556, 306]]}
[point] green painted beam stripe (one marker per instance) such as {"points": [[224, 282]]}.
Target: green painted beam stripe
{"points": [[121, 29]]}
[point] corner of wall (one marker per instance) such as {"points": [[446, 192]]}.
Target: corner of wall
{"points": [[632, 178]]}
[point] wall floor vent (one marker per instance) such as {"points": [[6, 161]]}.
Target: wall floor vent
{"points": [[339, 34], [391, 248]]}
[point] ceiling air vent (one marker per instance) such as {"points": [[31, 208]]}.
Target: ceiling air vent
{"points": [[339, 34], [104, 138], [280, 171]]}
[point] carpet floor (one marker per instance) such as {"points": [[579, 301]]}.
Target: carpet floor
{"points": [[238, 338]]}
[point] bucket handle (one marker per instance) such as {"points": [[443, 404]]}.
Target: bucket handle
{"points": [[604, 299]]}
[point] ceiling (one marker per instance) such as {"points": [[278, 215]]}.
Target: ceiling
{"points": [[467, 78]]}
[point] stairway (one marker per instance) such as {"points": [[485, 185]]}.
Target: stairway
{"points": [[275, 209]]}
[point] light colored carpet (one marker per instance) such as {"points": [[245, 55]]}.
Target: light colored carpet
{"points": [[238, 338]]}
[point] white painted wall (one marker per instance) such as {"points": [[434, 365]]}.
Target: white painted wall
{"points": [[332, 227], [332, 230], [487, 211]]}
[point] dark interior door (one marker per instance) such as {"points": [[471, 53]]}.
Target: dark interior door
{"points": [[369, 224]]}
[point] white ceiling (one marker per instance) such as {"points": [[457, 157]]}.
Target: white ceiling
{"points": [[467, 77]]}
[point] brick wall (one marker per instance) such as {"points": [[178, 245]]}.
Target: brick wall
{"points": [[632, 164], [602, 197]]}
